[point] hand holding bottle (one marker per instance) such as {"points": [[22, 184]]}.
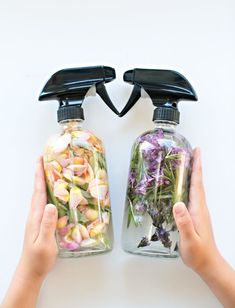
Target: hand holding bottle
{"points": [[39, 250], [197, 246]]}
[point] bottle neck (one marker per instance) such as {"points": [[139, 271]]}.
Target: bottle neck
{"points": [[70, 125], [165, 125]]}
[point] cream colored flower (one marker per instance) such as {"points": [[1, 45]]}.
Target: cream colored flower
{"points": [[76, 198], [60, 191]]}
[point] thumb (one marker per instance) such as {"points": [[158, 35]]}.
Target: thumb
{"points": [[183, 221], [48, 223]]}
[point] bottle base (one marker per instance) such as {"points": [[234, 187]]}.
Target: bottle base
{"points": [[63, 254], [153, 253]]}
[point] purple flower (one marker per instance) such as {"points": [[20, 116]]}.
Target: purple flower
{"points": [[153, 137], [160, 134], [176, 150], [162, 235], [144, 242], [182, 156], [132, 178], [140, 208], [141, 188], [144, 184], [164, 238], [153, 158], [153, 214]]}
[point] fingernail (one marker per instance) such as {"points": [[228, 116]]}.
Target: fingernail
{"points": [[179, 208], [50, 209]]}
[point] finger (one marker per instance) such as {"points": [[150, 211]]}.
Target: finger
{"points": [[48, 224], [184, 222], [197, 200], [39, 200], [197, 194]]}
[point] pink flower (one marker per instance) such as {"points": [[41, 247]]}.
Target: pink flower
{"points": [[72, 239], [78, 169], [52, 172], [79, 172], [64, 159], [72, 245], [65, 230]]}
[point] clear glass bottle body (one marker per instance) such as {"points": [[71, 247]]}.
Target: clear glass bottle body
{"points": [[77, 183], [159, 176]]}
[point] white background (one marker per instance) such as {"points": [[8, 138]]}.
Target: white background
{"points": [[38, 38]]}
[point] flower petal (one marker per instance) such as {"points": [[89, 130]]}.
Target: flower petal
{"points": [[84, 232], [78, 180], [98, 189], [72, 245], [62, 222], [89, 175], [66, 230], [52, 172], [63, 159], [96, 228], [76, 235], [76, 197], [60, 190], [106, 217], [89, 243], [78, 169], [61, 143], [68, 174], [91, 214]]}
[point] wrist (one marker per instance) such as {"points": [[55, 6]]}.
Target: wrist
{"points": [[24, 288], [27, 276], [210, 265]]}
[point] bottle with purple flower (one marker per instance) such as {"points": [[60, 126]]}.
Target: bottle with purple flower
{"points": [[160, 166]]}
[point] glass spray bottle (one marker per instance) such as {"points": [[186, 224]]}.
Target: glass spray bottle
{"points": [[160, 166], [75, 166]]}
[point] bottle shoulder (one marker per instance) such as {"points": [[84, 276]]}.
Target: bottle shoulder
{"points": [[80, 132], [163, 138], [76, 138]]}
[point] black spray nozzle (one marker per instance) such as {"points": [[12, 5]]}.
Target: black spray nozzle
{"points": [[70, 86], [165, 88]]}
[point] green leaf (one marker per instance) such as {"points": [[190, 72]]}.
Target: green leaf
{"points": [[81, 217], [86, 194], [101, 160], [173, 157], [62, 209], [129, 218], [132, 215]]}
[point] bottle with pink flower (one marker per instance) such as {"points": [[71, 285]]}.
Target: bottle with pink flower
{"points": [[75, 166], [160, 166]]}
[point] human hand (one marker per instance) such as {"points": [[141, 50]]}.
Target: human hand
{"points": [[197, 245], [39, 249]]}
